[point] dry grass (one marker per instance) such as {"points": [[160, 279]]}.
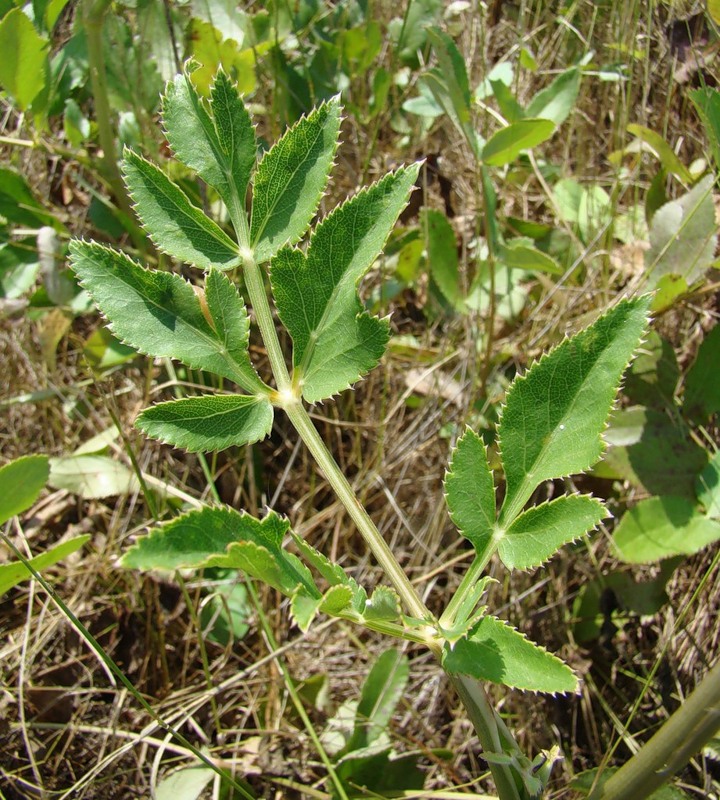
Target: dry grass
{"points": [[68, 729]]}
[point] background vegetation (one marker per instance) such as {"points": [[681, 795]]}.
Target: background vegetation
{"points": [[490, 266]]}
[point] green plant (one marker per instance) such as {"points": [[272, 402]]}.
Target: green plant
{"points": [[551, 423]]}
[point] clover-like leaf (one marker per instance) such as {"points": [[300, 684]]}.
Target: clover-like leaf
{"points": [[496, 652], [222, 151], [176, 226], [554, 415], [210, 422], [335, 341], [290, 180], [160, 314], [537, 533]]}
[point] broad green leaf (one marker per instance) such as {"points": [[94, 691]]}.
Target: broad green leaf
{"points": [[522, 254], [557, 100], [92, 476], [207, 423], [683, 236], [707, 103], [380, 695], [661, 527], [540, 531], [470, 491], [21, 482], [702, 382], [708, 487], [441, 247], [23, 68], [384, 604], [222, 156], [160, 314], [666, 155], [290, 180], [554, 415], [177, 227], [335, 341], [507, 144], [336, 600], [222, 537], [496, 652], [15, 572]]}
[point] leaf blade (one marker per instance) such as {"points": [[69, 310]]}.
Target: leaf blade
{"points": [[21, 482], [506, 144]]}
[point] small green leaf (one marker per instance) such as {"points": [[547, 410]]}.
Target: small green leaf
{"points": [[380, 695], [208, 423], [708, 487], [15, 572], [554, 416], [23, 69], [383, 605], [470, 491], [441, 247], [21, 482], [177, 227], [290, 180], [336, 599], [224, 156], [158, 313], [496, 652], [507, 144], [522, 254], [702, 382], [92, 476], [660, 527], [540, 531], [683, 236], [557, 100], [335, 341], [303, 607]]}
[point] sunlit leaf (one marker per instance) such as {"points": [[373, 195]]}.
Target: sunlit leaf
{"points": [[21, 482], [507, 144], [15, 572]]}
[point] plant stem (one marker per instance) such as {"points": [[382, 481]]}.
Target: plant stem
{"points": [[688, 729], [469, 579]]}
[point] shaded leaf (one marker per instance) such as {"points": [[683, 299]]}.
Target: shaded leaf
{"points": [[496, 652], [177, 227], [290, 180], [442, 255], [654, 374], [15, 572], [210, 422], [708, 487], [661, 527], [702, 382], [335, 341], [92, 476], [554, 415], [21, 482]]}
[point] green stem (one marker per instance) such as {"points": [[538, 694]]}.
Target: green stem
{"points": [[684, 734], [470, 578]]}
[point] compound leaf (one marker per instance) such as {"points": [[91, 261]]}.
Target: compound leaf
{"points": [[21, 481], [224, 156], [157, 313], [661, 527], [290, 180], [210, 422], [470, 491], [554, 415], [541, 530], [335, 341], [177, 227], [495, 652]]}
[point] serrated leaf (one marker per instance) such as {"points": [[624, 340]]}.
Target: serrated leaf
{"points": [[540, 531], [380, 694], [661, 527], [290, 180], [177, 227], [707, 487], [15, 572], [470, 491], [222, 537], [210, 422], [336, 599], [335, 341], [23, 69], [496, 652], [92, 476], [384, 605], [702, 382], [220, 156], [506, 144], [683, 236], [554, 416], [157, 313], [21, 482]]}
